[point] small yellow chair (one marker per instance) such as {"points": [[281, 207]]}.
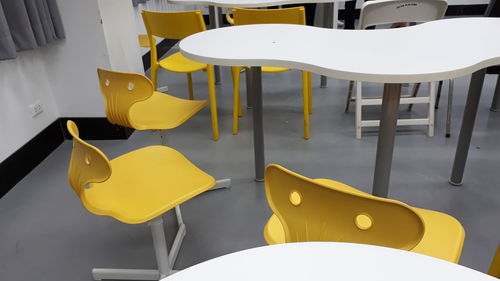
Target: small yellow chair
{"points": [[178, 25], [325, 210], [294, 15], [134, 188], [130, 101], [495, 264]]}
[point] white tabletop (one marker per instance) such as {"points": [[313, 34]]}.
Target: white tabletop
{"points": [[432, 51], [248, 3], [327, 261]]}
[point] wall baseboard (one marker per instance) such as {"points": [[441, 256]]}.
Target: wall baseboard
{"points": [[25, 159]]}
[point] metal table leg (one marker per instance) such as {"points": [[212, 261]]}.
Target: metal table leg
{"points": [[470, 111], [214, 15], [258, 130], [385, 145], [328, 20], [248, 83], [495, 103]]}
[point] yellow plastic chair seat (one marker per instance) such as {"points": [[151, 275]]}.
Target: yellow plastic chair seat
{"points": [[443, 236], [274, 69], [178, 63], [146, 183], [162, 111]]}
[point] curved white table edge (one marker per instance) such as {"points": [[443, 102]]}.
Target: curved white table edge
{"points": [[226, 32], [246, 262]]}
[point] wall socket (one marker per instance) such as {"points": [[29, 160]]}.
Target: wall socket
{"points": [[35, 108]]}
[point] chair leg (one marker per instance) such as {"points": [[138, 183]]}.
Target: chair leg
{"points": [[448, 113], [310, 93], [495, 103], [235, 73], [358, 109], [414, 93], [190, 85], [306, 97], [164, 260], [438, 96], [154, 76], [213, 102], [432, 100], [349, 95]]}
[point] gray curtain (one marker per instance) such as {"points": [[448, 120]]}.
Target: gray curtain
{"points": [[28, 24], [137, 2]]}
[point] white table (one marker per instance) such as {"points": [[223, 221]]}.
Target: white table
{"points": [[327, 261], [330, 16], [395, 56]]}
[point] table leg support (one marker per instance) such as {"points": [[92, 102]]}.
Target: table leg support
{"points": [[328, 18], [385, 145], [255, 73], [470, 111], [214, 17]]}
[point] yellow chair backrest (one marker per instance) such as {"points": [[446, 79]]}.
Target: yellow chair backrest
{"points": [[87, 165], [173, 25], [295, 15], [121, 90], [495, 264], [311, 211]]}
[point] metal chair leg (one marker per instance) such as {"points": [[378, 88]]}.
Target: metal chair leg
{"points": [[349, 95], [495, 103], [448, 113], [414, 93], [438, 96]]}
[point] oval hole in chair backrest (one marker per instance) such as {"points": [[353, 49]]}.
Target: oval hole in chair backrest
{"points": [[121, 90], [331, 214], [87, 165]]}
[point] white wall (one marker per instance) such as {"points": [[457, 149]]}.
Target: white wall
{"points": [[120, 33], [22, 81], [62, 75]]}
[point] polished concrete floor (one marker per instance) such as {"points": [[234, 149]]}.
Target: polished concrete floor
{"points": [[46, 233]]}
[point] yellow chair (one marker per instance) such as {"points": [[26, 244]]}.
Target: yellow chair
{"points": [[144, 40], [495, 264], [178, 25], [130, 101], [134, 188], [325, 210], [294, 15]]}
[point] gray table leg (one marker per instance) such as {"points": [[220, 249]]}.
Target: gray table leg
{"points": [[327, 23], [248, 83], [214, 17], [387, 133], [470, 111], [258, 129], [495, 103]]}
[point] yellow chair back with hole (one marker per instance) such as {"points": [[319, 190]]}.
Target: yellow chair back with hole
{"points": [[495, 264], [121, 90], [295, 15], [87, 165], [173, 25], [310, 211]]}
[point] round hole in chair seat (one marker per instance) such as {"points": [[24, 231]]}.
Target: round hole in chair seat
{"points": [[363, 221]]}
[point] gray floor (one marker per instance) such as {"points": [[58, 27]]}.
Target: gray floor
{"points": [[46, 234]]}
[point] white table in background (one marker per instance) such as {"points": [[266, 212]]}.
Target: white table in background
{"points": [[330, 13], [327, 261], [395, 56]]}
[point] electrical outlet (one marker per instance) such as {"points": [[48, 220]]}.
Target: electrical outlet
{"points": [[35, 108]]}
